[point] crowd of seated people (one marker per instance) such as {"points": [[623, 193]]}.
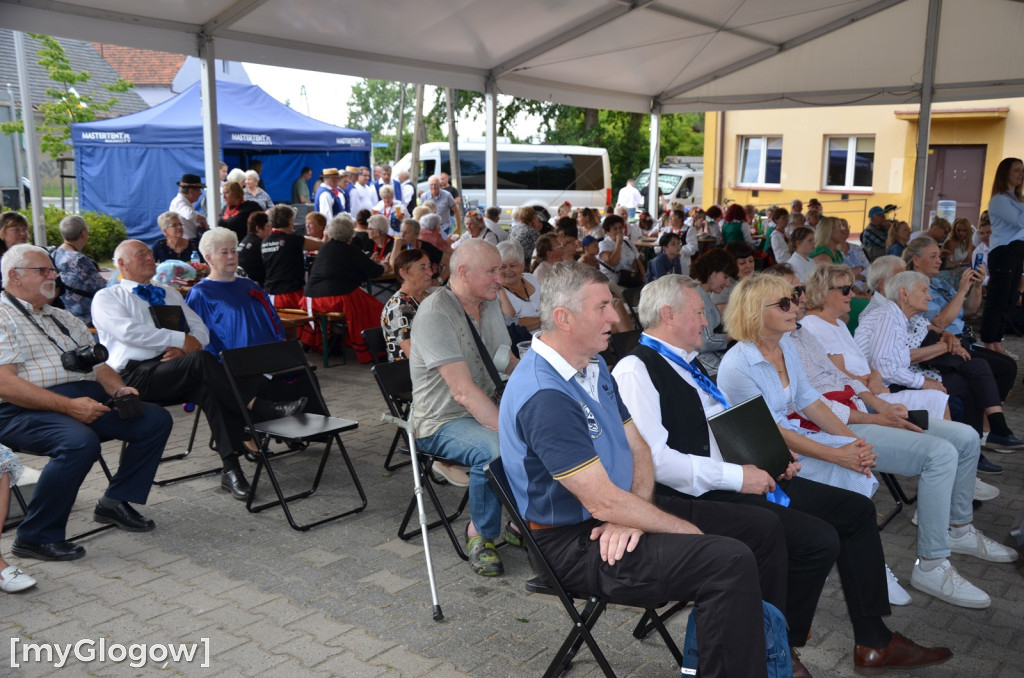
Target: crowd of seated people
{"points": [[912, 349]]}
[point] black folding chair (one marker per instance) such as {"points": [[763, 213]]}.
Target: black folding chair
{"points": [[177, 457], [899, 496], [315, 425], [624, 342], [546, 582], [23, 504], [373, 337], [396, 386], [631, 295]]}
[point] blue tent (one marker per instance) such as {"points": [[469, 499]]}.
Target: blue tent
{"points": [[128, 167]]}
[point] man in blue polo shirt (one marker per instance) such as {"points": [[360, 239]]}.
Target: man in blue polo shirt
{"points": [[583, 477]]}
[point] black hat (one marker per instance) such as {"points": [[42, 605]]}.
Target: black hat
{"points": [[191, 181]]}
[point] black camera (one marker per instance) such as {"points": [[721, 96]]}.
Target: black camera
{"points": [[84, 358]]}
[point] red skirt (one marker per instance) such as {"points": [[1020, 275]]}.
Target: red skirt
{"points": [[289, 300], [362, 312]]}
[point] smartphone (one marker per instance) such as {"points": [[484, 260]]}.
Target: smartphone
{"points": [[918, 418], [979, 258]]}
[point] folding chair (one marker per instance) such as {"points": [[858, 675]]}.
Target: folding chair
{"points": [[396, 386], [898, 495], [315, 425], [20, 498], [631, 295], [624, 342], [375, 344], [177, 457], [546, 582]]}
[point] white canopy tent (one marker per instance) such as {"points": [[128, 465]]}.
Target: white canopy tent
{"points": [[650, 56]]}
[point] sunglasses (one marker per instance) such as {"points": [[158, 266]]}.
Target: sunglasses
{"points": [[786, 303], [845, 289], [798, 290]]}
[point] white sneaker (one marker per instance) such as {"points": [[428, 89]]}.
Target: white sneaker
{"points": [[12, 580], [974, 543], [897, 594], [946, 584], [983, 491], [450, 473]]}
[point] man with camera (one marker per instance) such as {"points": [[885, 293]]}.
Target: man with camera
{"points": [[58, 398]]}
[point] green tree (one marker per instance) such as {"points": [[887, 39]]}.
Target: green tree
{"points": [[64, 104]]}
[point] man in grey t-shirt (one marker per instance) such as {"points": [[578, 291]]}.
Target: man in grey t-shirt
{"points": [[453, 390]]}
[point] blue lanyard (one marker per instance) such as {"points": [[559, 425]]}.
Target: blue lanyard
{"points": [[776, 496], [699, 377]]}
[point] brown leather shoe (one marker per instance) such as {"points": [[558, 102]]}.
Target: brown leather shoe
{"points": [[900, 653], [799, 670]]}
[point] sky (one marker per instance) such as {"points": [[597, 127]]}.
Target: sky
{"points": [[325, 96]]}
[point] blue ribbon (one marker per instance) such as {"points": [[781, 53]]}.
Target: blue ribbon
{"points": [[152, 294]]}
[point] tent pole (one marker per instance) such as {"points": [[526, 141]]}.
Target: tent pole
{"points": [[455, 172], [31, 148], [211, 142], [400, 128], [653, 198], [414, 165], [491, 148], [924, 121]]}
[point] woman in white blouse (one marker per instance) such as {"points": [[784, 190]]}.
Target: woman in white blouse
{"points": [[801, 243], [829, 290]]}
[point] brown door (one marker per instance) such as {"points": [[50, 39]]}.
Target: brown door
{"points": [[955, 173]]}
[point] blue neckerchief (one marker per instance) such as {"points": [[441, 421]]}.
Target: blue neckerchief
{"points": [[702, 380], [152, 294], [776, 496]]}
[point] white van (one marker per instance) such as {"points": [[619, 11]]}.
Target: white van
{"points": [[680, 181], [528, 174]]}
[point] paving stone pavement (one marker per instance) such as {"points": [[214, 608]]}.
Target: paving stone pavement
{"points": [[351, 599]]}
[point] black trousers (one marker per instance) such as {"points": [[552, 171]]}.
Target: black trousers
{"points": [[716, 570], [974, 384], [1004, 368], [825, 525], [73, 447], [1004, 269], [196, 377]]}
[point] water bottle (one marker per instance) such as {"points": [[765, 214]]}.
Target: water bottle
{"points": [[195, 257]]}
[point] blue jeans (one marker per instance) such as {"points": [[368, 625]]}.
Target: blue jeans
{"points": [[946, 459], [466, 442]]}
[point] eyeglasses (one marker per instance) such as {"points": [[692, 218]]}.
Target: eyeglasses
{"points": [[43, 270], [798, 291], [786, 303], [22, 229], [845, 289]]}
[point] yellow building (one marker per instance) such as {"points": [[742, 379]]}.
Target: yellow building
{"points": [[854, 157]]}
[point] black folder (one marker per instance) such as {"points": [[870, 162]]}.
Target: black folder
{"points": [[747, 434]]}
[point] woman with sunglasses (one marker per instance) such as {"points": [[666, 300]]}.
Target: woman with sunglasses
{"points": [[828, 295], [761, 311]]}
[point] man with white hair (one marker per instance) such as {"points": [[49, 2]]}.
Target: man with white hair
{"points": [[459, 348], [443, 201], [160, 353], [58, 398]]}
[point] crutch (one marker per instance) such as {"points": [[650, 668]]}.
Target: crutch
{"points": [[406, 425]]}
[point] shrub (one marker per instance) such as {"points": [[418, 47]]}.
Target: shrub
{"points": [[105, 231]]}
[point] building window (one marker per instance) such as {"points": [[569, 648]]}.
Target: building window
{"points": [[849, 162], [760, 161]]}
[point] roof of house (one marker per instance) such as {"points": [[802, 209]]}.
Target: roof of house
{"points": [[144, 67], [82, 57]]}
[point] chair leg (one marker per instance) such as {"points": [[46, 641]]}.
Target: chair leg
{"points": [[899, 496], [263, 461], [20, 498], [651, 620], [583, 623], [183, 455], [389, 465], [444, 520]]}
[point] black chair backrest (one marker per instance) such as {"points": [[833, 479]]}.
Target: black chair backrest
{"points": [[279, 358], [375, 344], [631, 295], [395, 384], [624, 342]]}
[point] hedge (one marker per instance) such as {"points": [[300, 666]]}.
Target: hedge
{"points": [[105, 232]]}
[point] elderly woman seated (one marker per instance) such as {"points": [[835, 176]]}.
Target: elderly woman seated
{"points": [[409, 238], [388, 207], [79, 275], [521, 289], [236, 310], [236, 208], [254, 192], [174, 244], [335, 283], [381, 243]]}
